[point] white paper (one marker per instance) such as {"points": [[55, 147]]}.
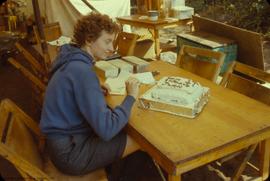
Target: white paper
{"points": [[145, 78], [60, 41], [117, 86]]}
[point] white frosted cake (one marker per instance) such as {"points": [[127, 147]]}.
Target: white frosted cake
{"points": [[176, 95]]}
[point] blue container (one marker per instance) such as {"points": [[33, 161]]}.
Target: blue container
{"points": [[210, 41]]}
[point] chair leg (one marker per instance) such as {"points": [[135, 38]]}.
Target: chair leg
{"points": [[242, 166], [264, 159], [159, 170]]}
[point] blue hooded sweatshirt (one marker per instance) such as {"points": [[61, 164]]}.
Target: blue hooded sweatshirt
{"points": [[74, 102]]}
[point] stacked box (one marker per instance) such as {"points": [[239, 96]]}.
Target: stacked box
{"points": [[105, 69], [122, 65], [182, 12], [210, 41], [138, 63]]}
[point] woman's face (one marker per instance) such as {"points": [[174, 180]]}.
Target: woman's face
{"points": [[103, 46]]}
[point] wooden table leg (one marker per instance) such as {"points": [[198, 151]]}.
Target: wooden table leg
{"points": [[157, 43], [242, 166], [264, 159], [174, 177]]}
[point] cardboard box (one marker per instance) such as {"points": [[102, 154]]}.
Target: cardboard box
{"points": [[122, 65], [138, 63], [105, 69], [176, 3], [182, 12], [210, 41]]}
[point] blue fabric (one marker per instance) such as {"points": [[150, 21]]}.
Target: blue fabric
{"points": [[74, 102]]}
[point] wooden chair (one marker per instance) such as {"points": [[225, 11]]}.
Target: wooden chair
{"points": [[203, 62], [22, 145], [52, 31], [32, 65], [33, 58], [125, 43], [247, 80], [38, 85]]}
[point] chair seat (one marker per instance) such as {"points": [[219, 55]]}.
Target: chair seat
{"points": [[55, 174]]}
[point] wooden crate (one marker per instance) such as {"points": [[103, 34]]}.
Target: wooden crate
{"points": [[210, 41]]}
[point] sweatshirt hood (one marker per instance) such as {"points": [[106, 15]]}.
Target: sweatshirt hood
{"points": [[70, 53]]}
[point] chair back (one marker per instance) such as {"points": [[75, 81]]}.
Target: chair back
{"points": [[203, 62], [247, 80], [18, 145], [52, 31], [125, 43]]}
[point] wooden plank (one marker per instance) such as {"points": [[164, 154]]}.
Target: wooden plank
{"points": [[249, 43]]}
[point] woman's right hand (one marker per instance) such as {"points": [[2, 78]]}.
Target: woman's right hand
{"points": [[132, 86]]}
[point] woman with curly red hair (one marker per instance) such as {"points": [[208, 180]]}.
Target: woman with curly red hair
{"points": [[83, 133]]}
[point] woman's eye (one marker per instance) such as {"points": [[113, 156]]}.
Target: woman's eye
{"points": [[108, 41]]}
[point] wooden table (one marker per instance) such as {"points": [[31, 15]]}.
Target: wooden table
{"points": [[229, 122], [135, 20]]}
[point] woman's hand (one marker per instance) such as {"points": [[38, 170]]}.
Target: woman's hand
{"points": [[105, 90], [132, 86]]}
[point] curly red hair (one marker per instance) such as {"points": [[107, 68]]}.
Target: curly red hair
{"points": [[89, 28]]}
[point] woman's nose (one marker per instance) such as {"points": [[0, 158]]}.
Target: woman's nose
{"points": [[111, 48]]}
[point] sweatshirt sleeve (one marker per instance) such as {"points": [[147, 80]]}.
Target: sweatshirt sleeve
{"points": [[105, 122]]}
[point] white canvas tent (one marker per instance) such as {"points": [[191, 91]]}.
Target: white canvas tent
{"points": [[66, 12]]}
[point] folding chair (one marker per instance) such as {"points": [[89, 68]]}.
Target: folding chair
{"points": [[203, 62], [52, 31], [125, 43], [249, 81], [22, 145]]}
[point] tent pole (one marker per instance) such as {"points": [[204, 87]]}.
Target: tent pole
{"points": [[44, 45], [90, 6]]}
